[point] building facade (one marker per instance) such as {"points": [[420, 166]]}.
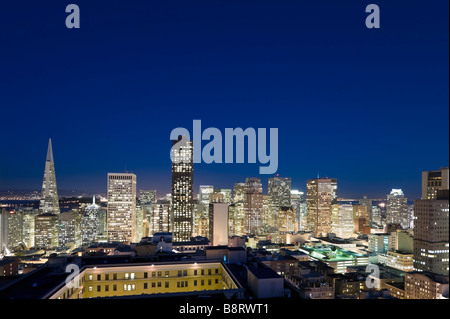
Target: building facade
{"points": [[321, 195], [121, 218], [182, 206]]}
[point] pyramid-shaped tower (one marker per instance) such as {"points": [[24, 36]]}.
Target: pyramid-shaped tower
{"points": [[49, 198]]}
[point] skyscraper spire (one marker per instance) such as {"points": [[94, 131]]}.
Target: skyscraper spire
{"points": [[49, 198], [50, 151]]}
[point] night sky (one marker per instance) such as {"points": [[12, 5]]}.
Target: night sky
{"points": [[369, 107]]}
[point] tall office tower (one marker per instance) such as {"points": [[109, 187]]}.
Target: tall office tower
{"points": [[70, 232], [205, 193], [361, 219], [279, 192], [431, 234], [200, 220], [376, 217], [139, 226], [49, 199], [218, 224], [320, 196], [160, 218], [182, 190], [121, 211], [28, 227], [286, 219], [369, 203], [237, 212], [20, 229], [432, 181], [239, 192], [92, 224], [216, 197], [411, 216], [147, 197], [14, 229], [296, 198], [268, 222], [46, 234], [342, 220], [3, 231], [397, 208], [253, 206], [226, 195]]}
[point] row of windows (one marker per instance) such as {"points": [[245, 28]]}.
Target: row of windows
{"points": [[131, 276], [132, 287]]}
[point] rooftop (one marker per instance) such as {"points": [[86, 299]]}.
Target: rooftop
{"points": [[263, 273]]}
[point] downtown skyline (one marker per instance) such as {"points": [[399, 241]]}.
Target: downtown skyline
{"points": [[162, 191]]}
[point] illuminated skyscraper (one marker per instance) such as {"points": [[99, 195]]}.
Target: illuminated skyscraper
{"points": [[226, 195], [70, 231], [279, 192], [182, 190], [253, 206], [46, 230], [93, 223], [205, 193], [236, 211], [342, 223], [298, 203], [121, 218], [147, 197], [433, 181], [431, 234], [321, 195], [49, 199], [397, 208]]}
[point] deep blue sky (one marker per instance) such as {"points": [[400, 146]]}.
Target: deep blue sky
{"points": [[369, 107]]}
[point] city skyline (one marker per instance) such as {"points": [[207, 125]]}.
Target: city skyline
{"points": [[161, 192], [346, 100]]}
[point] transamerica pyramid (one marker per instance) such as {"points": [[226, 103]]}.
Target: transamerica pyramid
{"points": [[49, 198]]}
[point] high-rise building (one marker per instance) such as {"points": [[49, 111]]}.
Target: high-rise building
{"points": [[342, 224], [218, 224], [93, 223], [70, 232], [147, 197], [431, 234], [205, 194], [182, 190], [286, 219], [46, 230], [433, 181], [236, 214], [121, 211], [397, 208], [298, 203], [226, 195], [4, 219], [159, 218], [279, 195], [253, 206], [239, 192], [361, 219], [49, 199], [320, 196], [369, 204]]}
